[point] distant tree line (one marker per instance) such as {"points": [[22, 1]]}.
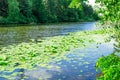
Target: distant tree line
{"points": [[43, 11]]}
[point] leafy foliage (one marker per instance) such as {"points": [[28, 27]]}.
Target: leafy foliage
{"points": [[43, 11], [110, 66], [110, 11], [39, 11], [26, 10], [14, 11], [3, 8]]}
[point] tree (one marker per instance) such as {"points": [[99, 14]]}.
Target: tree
{"points": [[110, 11], [39, 11], [13, 11], [42, 11], [3, 8], [110, 15], [51, 10], [26, 10]]}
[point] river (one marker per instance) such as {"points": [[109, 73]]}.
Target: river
{"points": [[17, 34], [81, 65]]}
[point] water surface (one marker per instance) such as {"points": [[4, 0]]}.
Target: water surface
{"points": [[80, 63], [18, 34]]}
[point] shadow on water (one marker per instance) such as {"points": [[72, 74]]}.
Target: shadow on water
{"points": [[12, 35], [79, 65]]}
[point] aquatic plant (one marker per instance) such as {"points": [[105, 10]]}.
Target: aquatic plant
{"points": [[42, 52]]}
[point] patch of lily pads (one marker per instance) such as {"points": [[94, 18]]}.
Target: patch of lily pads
{"points": [[42, 52]]}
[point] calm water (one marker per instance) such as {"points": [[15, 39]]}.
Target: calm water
{"points": [[79, 66], [11, 35], [81, 63]]}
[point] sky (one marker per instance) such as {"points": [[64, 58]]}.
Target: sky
{"points": [[92, 2]]}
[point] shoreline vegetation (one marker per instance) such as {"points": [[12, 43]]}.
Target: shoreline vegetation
{"points": [[110, 65], [37, 24], [40, 53], [44, 11]]}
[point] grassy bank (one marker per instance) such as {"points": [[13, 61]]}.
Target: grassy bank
{"points": [[40, 53]]}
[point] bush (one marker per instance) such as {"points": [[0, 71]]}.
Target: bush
{"points": [[110, 67], [3, 20]]}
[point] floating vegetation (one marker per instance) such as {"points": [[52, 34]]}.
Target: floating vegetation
{"points": [[41, 53]]}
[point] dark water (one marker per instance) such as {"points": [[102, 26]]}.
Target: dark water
{"points": [[11, 35], [80, 63]]}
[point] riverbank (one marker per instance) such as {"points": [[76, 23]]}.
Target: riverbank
{"points": [[40, 53], [50, 23], [110, 65]]}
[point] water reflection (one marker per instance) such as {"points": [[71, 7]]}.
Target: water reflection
{"points": [[79, 65], [11, 35]]}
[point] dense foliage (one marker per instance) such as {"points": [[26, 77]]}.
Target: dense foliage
{"points": [[110, 15], [110, 66], [110, 12], [42, 11]]}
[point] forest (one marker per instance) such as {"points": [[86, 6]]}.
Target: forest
{"points": [[44, 11]]}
